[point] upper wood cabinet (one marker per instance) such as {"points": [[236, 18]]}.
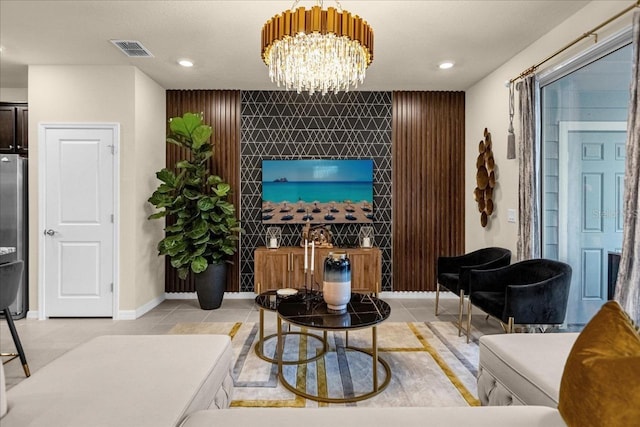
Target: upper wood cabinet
{"points": [[284, 268], [14, 128]]}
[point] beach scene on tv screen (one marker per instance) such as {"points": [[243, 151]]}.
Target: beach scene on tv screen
{"points": [[317, 191]]}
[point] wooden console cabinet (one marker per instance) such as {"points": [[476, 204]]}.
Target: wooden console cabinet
{"points": [[284, 268]]}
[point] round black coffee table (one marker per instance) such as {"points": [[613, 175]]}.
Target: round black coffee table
{"points": [[269, 301], [363, 311]]}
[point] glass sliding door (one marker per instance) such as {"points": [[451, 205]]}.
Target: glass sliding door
{"points": [[584, 115]]}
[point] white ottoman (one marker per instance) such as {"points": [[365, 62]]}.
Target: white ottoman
{"points": [[126, 380], [522, 369]]}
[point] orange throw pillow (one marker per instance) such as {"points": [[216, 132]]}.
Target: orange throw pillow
{"points": [[600, 383]]}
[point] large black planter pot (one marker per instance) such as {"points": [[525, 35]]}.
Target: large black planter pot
{"points": [[210, 286]]}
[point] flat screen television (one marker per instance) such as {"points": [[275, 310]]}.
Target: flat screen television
{"points": [[317, 191]]}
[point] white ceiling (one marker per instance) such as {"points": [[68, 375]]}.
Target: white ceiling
{"points": [[223, 38]]}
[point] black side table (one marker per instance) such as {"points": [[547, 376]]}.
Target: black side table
{"points": [[269, 301]]}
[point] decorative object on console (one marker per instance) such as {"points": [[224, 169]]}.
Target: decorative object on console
{"points": [[485, 179], [274, 236], [365, 237], [336, 286], [340, 45], [320, 235]]}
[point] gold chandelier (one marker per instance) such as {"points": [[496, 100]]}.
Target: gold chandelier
{"points": [[317, 50]]}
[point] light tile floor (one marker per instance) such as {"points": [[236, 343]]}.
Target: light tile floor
{"points": [[45, 340]]}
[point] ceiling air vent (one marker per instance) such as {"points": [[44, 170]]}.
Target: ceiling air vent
{"points": [[132, 48]]}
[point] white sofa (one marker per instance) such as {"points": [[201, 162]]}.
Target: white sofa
{"points": [[522, 369], [176, 380], [486, 416], [164, 381], [515, 369], [119, 380]]}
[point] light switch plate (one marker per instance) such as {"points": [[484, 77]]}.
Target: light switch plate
{"points": [[511, 215]]}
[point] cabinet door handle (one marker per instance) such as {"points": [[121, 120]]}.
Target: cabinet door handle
{"points": [[11, 147], [19, 147]]}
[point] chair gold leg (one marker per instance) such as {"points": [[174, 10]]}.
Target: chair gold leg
{"points": [[16, 341], [437, 295], [469, 320], [510, 326], [460, 310]]}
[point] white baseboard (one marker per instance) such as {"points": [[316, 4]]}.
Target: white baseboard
{"points": [[240, 295], [180, 295], [407, 294], [122, 314], [140, 311], [383, 295], [192, 295]]}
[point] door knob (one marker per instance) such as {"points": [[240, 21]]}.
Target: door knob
{"points": [[49, 232]]}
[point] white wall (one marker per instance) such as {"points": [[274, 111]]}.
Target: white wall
{"points": [[10, 94], [119, 94], [487, 106], [150, 134]]}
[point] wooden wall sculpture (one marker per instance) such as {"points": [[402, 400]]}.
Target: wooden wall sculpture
{"points": [[221, 109], [428, 184], [485, 179]]}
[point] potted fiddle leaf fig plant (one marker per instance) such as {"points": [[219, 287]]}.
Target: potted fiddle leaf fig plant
{"points": [[202, 230]]}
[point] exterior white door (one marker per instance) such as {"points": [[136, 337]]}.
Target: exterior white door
{"points": [[592, 159], [78, 232]]}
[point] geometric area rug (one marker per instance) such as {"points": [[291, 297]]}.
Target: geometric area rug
{"points": [[430, 365]]}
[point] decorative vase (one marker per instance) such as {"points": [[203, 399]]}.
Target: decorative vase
{"points": [[210, 286], [336, 285]]}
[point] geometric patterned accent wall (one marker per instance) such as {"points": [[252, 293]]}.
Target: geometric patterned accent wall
{"points": [[287, 125]]}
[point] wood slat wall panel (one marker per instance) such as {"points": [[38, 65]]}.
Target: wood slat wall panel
{"points": [[428, 184], [221, 109]]}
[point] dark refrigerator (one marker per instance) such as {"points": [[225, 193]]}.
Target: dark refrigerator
{"points": [[14, 223]]}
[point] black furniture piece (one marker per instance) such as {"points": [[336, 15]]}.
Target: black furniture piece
{"points": [[269, 301], [363, 311], [453, 272], [613, 265], [531, 292], [10, 275]]}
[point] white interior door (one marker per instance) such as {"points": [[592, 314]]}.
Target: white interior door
{"points": [[78, 232], [592, 159]]}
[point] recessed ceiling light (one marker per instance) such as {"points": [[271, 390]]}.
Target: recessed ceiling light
{"points": [[446, 65], [185, 63]]}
